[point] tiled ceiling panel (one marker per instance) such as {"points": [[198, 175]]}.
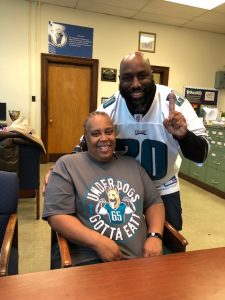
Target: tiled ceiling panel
{"points": [[93, 6], [157, 11]]}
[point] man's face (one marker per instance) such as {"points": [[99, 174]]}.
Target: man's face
{"points": [[136, 82], [100, 138]]}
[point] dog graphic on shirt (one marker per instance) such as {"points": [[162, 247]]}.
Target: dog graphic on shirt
{"points": [[113, 207]]}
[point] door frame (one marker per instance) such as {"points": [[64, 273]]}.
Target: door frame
{"points": [[46, 59], [163, 72]]}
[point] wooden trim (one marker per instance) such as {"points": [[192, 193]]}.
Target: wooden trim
{"points": [[203, 185], [7, 244], [173, 239], [164, 74], [27, 193], [45, 60], [53, 157], [66, 260]]}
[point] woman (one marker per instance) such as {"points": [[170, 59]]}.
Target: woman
{"points": [[97, 200]]}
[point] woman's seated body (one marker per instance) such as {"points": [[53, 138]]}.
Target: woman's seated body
{"points": [[103, 203]]}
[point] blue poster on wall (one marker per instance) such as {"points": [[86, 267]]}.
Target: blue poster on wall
{"points": [[72, 40]]}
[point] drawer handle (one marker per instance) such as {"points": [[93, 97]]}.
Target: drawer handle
{"points": [[213, 181]]}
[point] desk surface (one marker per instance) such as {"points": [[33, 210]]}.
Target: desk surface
{"points": [[195, 275]]}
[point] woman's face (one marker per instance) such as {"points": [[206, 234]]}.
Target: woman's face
{"points": [[100, 138]]}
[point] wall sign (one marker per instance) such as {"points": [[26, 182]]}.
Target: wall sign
{"points": [[108, 74], [72, 40], [201, 95]]}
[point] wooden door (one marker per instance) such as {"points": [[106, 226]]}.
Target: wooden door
{"points": [[69, 93], [160, 74]]}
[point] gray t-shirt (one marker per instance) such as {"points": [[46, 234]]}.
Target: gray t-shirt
{"points": [[110, 198]]}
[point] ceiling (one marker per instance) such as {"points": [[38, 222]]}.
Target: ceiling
{"points": [[157, 11]]}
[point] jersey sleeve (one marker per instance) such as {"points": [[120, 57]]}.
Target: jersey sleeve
{"points": [[194, 123], [110, 105], [60, 192]]}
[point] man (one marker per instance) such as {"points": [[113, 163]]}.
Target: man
{"points": [[152, 124], [96, 200]]}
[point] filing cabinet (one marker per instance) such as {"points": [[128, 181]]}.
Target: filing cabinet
{"points": [[211, 175]]}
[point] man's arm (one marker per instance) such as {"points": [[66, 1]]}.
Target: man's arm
{"points": [[194, 147], [73, 230], [155, 219]]}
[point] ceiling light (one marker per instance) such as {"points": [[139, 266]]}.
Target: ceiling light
{"points": [[206, 4]]}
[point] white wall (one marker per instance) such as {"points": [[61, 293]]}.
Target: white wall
{"points": [[14, 63], [192, 56]]}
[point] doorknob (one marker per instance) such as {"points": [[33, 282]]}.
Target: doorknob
{"points": [[50, 120]]}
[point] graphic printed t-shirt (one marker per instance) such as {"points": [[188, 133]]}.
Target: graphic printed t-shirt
{"points": [[107, 197]]}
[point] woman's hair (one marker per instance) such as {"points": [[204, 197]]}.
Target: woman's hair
{"points": [[91, 115], [83, 143]]}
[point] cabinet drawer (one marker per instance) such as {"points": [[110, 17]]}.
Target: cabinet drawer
{"points": [[217, 160], [217, 146], [215, 178], [217, 134], [197, 172]]}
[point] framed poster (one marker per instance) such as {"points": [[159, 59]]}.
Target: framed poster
{"points": [[147, 42], [71, 40]]}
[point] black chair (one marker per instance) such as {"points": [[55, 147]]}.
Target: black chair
{"points": [[29, 173], [173, 242], [9, 195], [21, 154]]}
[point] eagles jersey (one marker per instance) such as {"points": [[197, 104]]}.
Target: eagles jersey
{"points": [[146, 138], [116, 216]]}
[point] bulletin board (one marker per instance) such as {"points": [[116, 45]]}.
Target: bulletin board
{"points": [[197, 95]]}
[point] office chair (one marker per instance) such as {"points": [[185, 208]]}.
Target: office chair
{"points": [[173, 242], [9, 195], [18, 154], [29, 172]]}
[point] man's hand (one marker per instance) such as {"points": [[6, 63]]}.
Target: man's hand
{"points": [[152, 247], [107, 249], [175, 123]]}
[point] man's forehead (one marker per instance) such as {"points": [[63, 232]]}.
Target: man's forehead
{"points": [[134, 64], [134, 69]]}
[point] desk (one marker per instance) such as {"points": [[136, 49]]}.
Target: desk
{"points": [[196, 275]]}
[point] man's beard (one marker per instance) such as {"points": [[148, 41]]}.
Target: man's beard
{"points": [[142, 105]]}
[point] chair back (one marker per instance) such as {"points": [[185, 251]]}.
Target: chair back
{"points": [[29, 167], [9, 195]]}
